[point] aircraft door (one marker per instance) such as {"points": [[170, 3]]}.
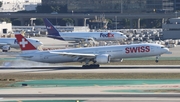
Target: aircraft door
{"points": [[152, 49]]}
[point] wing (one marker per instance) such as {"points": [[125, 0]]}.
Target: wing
{"points": [[77, 38], [2, 44], [88, 38], [74, 54], [77, 56], [24, 56]]}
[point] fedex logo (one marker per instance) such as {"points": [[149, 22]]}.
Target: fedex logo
{"points": [[137, 49], [108, 35], [49, 27]]}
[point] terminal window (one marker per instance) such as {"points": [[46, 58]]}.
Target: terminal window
{"points": [[4, 31]]}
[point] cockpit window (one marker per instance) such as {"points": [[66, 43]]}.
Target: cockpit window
{"points": [[162, 47], [37, 41]]}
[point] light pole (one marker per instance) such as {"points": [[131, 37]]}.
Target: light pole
{"points": [[56, 21], [72, 12], [85, 19], [176, 14], [121, 6], [116, 21], [32, 19]]}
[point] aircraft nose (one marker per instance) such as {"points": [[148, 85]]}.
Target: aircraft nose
{"points": [[40, 43], [166, 49], [125, 37]]}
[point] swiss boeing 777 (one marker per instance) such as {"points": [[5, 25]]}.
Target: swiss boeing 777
{"points": [[82, 36], [97, 55]]}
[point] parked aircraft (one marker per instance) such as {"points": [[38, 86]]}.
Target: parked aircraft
{"points": [[97, 55], [82, 36], [8, 43]]}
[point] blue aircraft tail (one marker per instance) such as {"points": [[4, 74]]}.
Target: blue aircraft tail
{"points": [[52, 31]]}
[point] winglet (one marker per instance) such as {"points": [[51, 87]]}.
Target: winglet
{"points": [[24, 44], [52, 31]]}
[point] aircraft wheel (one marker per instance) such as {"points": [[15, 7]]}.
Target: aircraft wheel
{"points": [[91, 66], [157, 61], [4, 51], [94, 65], [86, 66]]}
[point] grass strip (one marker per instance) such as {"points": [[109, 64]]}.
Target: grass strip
{"points": [[40, 76]]}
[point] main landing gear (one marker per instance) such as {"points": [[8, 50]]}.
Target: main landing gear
{"points": [[91, 66], [87, 65]]}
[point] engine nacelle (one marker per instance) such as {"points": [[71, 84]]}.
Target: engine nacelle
{"points": [[103, 58], [116, 60], [5, 48]]}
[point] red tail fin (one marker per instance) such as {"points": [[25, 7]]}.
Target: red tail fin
{"points": [[24, 43]]}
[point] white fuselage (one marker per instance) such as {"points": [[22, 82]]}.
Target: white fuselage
{"points": [[98, 36], [115, 52], [12, 42]]}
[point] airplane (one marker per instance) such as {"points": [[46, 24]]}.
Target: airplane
{"points": [[82, 36], [8, 43], [97, 55]]}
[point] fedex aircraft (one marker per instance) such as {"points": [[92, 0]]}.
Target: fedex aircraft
{"points": [[97, 55], [7, 43], [82, 36]]}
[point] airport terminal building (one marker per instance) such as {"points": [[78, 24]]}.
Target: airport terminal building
{"points": [[19, 5], [171, 29], [121, 6], [5, 28]]}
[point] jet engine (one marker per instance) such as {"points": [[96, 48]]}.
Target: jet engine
{"points": [[103, 58], [117, 60], [5, 48]]}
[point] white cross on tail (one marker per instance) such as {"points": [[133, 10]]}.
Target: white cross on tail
{"points": [[23, 42]]}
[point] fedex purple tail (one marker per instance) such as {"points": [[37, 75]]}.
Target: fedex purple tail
{"points": [[52, 31]]}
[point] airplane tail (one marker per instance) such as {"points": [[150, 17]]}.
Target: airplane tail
{"points": [[24, 44], [52, 31]]}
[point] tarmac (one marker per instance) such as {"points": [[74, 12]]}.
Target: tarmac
{"points": [[115, 69]]}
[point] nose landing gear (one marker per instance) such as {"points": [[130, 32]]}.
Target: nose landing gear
{"points": [[157, 59]]}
